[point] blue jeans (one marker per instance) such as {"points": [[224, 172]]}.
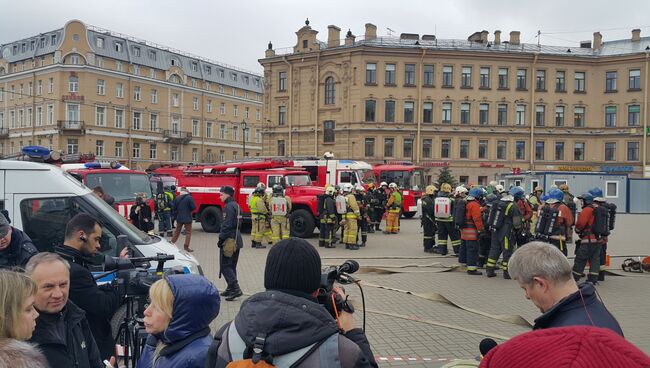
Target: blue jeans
{"points": [[165, 223]]}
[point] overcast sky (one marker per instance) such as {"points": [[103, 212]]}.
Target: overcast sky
{"points": [[237, 32]]}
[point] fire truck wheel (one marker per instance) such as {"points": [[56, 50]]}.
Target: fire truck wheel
{"points": [[211, 219], [302, 223], [409, 215]]}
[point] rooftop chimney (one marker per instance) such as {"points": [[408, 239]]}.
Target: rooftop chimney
{"points": [[514, 37], [349, 38], [497, 37], [371, 31], [269, 50], [598, 41], [636, 35], [333, 36], [484, 37]]}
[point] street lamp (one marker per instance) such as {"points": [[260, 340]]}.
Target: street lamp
{"points": [[244, 129]]}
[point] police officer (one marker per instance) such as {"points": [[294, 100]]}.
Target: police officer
{"points": [[505, 220], [445, 222], [280, 210], [16, 248], [350, 218], [363, 221], [394, 208], [328, 218], [230, 242], [470, 231], [555, 221], [590, 245], [259, 217], [428, 219]]}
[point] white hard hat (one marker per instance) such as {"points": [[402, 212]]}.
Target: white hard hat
{"points": [[499, 188], [347, 188], [268, 190], [383, 184], [260, 185], [461, 189], [392, 185]]}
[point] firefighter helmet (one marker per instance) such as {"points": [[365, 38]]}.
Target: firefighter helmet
{"points": [[555, 195], [347, 188], [517, 193], [330, 190], [259, 190], [460, 190], [430, 189], [371, 185], [392, 186], [539, 189], [260, 185], [445, 187], [564, 188], [383, 184], [476, 193], [587, 197], [359, 188], [278, 189]]}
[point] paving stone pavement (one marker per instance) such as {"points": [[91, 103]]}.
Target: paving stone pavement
{"points": [[403, 326]]}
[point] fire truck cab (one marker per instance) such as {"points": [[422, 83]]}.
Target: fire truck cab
{"points": [[409, 179], [329, 171]]}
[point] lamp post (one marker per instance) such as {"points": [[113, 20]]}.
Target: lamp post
{"points": [[244, 129]]}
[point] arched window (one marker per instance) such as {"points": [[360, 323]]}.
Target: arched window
{"points": [[330, 91]]}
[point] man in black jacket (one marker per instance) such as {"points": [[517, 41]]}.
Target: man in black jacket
{"points": [[16, 248], [545, 275], [286, 318], [230, 242], [62, 332], [82, 235]]}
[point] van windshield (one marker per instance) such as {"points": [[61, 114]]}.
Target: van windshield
{"points": [[122, 187], [301, 180], [122, 225]]}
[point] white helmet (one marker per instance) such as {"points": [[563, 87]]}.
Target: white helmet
{"points": [[260, 185], [359, 188], [392, 186], [347, 188], [460, 190], [383, 184], [499, 188], [268, 191]]}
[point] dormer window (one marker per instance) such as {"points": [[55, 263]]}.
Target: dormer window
{"points": [[175, 62], [152, 55], [195, 66], [118, 46], [136, 51], [233, 76], [99, 42], [221, 73], [53, 40], [208, 69]]}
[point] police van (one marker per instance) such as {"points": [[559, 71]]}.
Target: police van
{"points": [[41, 198]]}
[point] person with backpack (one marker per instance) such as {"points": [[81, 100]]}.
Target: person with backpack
{"points": [[182, 208], [428, 221], [443, 211], [523, 236], [504, 221], [164, 200], [394, 208], [570, 201], [484, 238], [470, 229], [363, 222], [280, 206], [611, 207], [259, 216], [327, 214], [590, 243], [284, 326], [555, 221], [349, 222]]}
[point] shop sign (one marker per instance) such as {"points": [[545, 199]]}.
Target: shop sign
{"points": [[617, 168], [575, 168], [435, 164]]}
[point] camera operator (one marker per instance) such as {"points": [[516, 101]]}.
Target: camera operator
{"points": [[286, 319], [140, 214], [82, 235]]}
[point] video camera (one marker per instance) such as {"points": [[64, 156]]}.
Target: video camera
{"points": [[133, 275], [330, 299]]}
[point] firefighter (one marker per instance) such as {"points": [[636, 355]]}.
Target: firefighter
{"points": [[250, 196], [394, 208], [589, 249], [259, 216], [374, 207], [504, 220], [445, 221], [368, 199], [268, 233], [500, 191], [341, 210], [555, 221], [523, 235], [380, 205], [363, 221], [428, 219], [328, 218], [485, 237], [350, 218], [535, 204], [601, 201], [570, 201], [470, 231], [280, 208]]}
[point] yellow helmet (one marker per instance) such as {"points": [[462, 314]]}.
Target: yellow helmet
{"points": [[445, 187], [371, 185], [329, 190], [564, 187], [430, 189], [539, 189]]}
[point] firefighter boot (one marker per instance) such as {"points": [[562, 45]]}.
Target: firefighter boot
{"points": [[226, 292], [456, 249], [489, 272], [474, 272], [235, 293], [601, 276], [593, 279], [506, 275], [260, 245]]}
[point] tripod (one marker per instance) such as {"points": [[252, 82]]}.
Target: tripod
{"points": [[131, 333]]}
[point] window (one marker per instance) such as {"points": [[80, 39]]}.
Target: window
{"points": [[330, 91], [282, 81], [560, 84], [427, 145], [427, 112], [50, 85], [153, 151], [389, 111], [118, 46], [407, 151], [329, 135], [388, 147], [610, 82], [50, 114], [99, 148], [119, 90], [39, 117], [409, 74], [152, 55], [30, 89], [610, 116], [559, 116], [465, 113], [99, 61], [579, 117], [540, 112], [633, 151], [118, 66], [136, 150], [195, 66], [447, 76], [408, 111], [235, 132], [74, 59], [446, 112], [195, 104], [521, 79], [484, 81], [390, 74], [195, 128], [464, 148], [520, 150], [520, 118], [175, 153], [175, 100], [559, 151], [100, 87], [233, 76], [635, 79], [73, 85], [611, 189], [154, 96], [153, 122], [502, 114], [119, 149], [579, 82], [100, 116], [503, 78], [483, 114], [39, 89], [73, 146], [119, 118], [136, 93], [370, 110], [282, 115], [371, 73], [539, 150], [483, 149], [280, 149], [633, 112], [208, 129], [195, 154], [222, 109], [610, 151], [137, 121], [579, 151], [222, 131], [222, 153], [445, 148], [428, 75], [466, 76], [136, 69]]}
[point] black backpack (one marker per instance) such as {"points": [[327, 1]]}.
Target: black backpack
{"points": [[162, 202], [612, 215], [459, 208], [601, 223], [497, 214], [548, 220]]}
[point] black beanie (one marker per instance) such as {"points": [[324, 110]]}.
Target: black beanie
{"points": [[293, 264]]}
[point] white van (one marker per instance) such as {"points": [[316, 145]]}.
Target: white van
{"points": [[41, 198]]}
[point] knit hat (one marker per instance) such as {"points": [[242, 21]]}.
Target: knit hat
{"points": [[4, 226], [293, 264], [575, 347], [227, 190]]}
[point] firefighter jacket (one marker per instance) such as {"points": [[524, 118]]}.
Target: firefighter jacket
{"points": [[564, 220], [525, 210], [258, 207], [287, 209], [473, 221], [584, 223], [394, 203], [428, 208], [328, 212], [353, 206]]}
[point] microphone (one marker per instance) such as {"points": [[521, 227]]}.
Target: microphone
{"points": [[485, 346], [349, 266]]}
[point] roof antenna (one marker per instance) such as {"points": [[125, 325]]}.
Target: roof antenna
{"points": [[539, 37], [390, 32]]}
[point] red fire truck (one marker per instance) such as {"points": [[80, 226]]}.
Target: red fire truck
{"points": [[329, 171], [204, 183], [409, 178]]}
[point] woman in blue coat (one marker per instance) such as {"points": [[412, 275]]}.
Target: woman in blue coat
{"points": [[177, 320]]}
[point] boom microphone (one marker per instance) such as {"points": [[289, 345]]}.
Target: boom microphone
{"points": [[349, 266], [485, 346]]}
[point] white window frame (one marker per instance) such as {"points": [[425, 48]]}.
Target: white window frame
{"points": [[607, 195], [154, 96], [98, 121], [558, 182], [533, 184], [101, 87]]}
